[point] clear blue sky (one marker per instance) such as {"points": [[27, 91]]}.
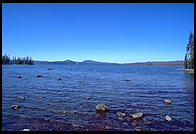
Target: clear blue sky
{"points": [[115, 32]]}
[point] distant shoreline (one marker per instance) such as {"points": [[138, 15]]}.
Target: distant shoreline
{"points": [[165, 63], [87, 62]]}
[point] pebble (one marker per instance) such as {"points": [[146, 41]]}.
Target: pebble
{"points": [[21, 98], [15, 107], [127, 79], [167, 101], [125, 123], [19, 76], [120, 114], [168, 118], [88, 98], [39, 76], [137, 115], [146, 121], [138, 129], [64, 112], [26, 129], [108, 127], [102, 107]]}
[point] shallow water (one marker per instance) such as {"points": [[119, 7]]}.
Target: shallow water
{"points": [[62, 105]]}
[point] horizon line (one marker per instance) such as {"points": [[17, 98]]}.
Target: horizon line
{"points": [[111, 62]]}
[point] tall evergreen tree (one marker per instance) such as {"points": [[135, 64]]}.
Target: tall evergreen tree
{"points": [[189, 56]]}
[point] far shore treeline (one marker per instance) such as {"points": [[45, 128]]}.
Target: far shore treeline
{"points": [[26, 60]]}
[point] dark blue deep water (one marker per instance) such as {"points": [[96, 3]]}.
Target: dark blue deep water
{"points": [[62, 105]]}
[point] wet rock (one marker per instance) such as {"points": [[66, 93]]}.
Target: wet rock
{"points": [[137, 115], [21, 98], [146, 121], [76, 125], [127, 79], [168, 118], [133, 124], [101, 108], [88, 98], [167, 101], [127, 118], [120, 114], [138, 129], [59, 79], [15, 107], [108, 127], [125, 123], [26, 129], [64, 112], [19, 76], [38, 76]]}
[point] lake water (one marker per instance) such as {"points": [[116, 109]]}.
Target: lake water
{"points": [[52, 104]]}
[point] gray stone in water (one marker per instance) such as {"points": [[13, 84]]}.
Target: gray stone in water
{"points": [[120, 114], [167, 101], [21, 98], [101, 108], [138, 129], [15, 107], [19, 76], [137, 115], [88, 98], [64, 112], [26, 129], [127, 79], [168, 118], [38, 76], [146, 121]]}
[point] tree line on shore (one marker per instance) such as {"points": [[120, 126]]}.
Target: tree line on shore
{"points": [[26, 60], [189, 55]]}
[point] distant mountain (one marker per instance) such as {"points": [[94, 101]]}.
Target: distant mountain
{"points": [[90, 62], [70, 62], [86, 62]]}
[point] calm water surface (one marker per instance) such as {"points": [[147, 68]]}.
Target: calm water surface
{"points": [[62, 105]]}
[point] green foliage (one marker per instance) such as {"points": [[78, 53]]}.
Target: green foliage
{"points": [[26, 60], [189, 56]]}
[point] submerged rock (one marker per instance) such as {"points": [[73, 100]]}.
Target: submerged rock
{"points": [[138, 129], [19, 76], [168, 118], [49, 68], [21, 98], [167, 101], [38, 76], [127, 79], [121, 115], [101, 108], [88, 98], [15, 107], [59, 79], [146, 121], [137, 115]]}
